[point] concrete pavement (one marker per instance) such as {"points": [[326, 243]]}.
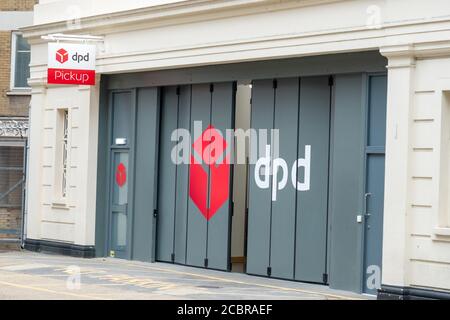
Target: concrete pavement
{"points": [[28, 275]]}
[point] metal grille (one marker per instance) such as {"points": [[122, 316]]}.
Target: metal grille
{"points": [[11, 176], [64, 151], [11, 191]]}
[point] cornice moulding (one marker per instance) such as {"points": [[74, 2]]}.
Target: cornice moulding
{"points": [[418, 50], [156, 16]]}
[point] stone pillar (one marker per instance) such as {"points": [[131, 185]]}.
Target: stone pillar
{"points": [[401, 65]]}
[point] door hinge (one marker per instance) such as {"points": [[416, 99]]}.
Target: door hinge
{"points": [[269, 271], [325, 278], [275, 83], [178, 90], [331, 81], [211, 87], [155, 213], [206, 262], [172, 257]]}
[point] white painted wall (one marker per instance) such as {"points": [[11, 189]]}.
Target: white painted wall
{"points": [[428, 238], [416, 242], [50, 218], [413, 34]]}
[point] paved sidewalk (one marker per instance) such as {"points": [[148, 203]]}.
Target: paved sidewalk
{"points": [[27, 275]]}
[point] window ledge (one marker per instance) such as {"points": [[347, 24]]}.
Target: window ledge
{"points": [[442, 232], [61, 204], [19, 92]]}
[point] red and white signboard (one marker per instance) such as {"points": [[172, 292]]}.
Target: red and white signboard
{"points": [[70, 63]]}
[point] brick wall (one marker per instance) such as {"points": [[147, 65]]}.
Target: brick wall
{"points": [[17, 5], [9, 105], [10, 219], [5, 69]]}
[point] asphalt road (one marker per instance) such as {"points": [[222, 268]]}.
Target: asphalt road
{"points": [[27, 275]]}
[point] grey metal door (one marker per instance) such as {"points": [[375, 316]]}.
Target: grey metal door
{"points": [[194, 209], [145, 176], [312, 206], [134, 135], [347, 181], [374, 196], [119, 217], [287, 234]]}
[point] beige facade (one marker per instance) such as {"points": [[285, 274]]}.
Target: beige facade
{"points": [[144, 36], [417, 253]]}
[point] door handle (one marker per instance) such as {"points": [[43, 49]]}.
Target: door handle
{"points": [[366, 196]]}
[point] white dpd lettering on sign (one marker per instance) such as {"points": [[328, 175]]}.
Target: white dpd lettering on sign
{"points": [[278, 168]]}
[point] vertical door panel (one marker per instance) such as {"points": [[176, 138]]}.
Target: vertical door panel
{"points": [[145, 177], [119, 204], [120, 216], [311, 229], [258, 241], [218, 241], [347, 183], [167, 194], [122, 116], [182, 180], [375, 153], [377, 111], [374, 223], [284, 207], [197, 225]]}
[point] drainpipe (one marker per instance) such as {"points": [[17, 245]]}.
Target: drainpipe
{"points": [[23, 233]]}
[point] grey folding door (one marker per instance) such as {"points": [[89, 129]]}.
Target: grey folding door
{"points": [[287, 236], [194, 198]]}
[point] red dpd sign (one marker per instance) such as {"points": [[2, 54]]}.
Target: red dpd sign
{"points": [[70, 63], [211, 147]]}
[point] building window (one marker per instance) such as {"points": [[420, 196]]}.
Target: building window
{"points": [[442, 171], [61, 184], [20, 62]]}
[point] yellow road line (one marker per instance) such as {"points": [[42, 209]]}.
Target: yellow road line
{"points": [[335, 296], [22, 286]]}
